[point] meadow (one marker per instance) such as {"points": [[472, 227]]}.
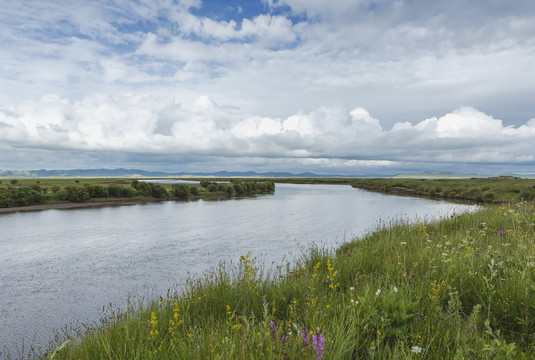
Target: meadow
{"points": [[459, 288], [488, 190]]}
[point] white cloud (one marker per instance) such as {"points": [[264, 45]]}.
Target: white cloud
{"points": [[324, 136]]}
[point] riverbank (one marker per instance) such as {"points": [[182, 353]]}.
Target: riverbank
{"points": [[460, 287], [44, 194], [482, 190]]}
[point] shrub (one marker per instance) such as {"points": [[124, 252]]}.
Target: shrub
{"points": [[488, 196], [97, 191], [180, 191], [212, 188], [115, 191], [205, 184], [5, 197], [76, 193], [158, 191], [238, 188], [527, 195]]}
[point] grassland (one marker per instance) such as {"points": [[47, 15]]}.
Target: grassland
{"points": [[460, 288], [488, 190]]}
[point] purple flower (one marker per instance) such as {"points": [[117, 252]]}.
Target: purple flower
{"points": [[304, 335], [501, 232], [284, 338], [318, 343], [273, 329]]}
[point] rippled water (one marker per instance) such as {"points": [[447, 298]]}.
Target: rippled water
{"points": [[60, 267]]}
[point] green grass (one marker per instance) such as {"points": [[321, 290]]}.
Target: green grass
{"points": [[491, 190], [460, 288]]}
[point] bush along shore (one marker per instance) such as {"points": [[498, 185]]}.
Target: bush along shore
{"points": [[459, 288], [485, 190], [20, 194]]}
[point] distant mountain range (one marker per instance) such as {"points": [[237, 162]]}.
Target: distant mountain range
{"points": [[142, 173]]}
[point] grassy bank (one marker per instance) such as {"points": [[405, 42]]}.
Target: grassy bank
{"points": [[20, 193], [488, 190], [458, 288]]}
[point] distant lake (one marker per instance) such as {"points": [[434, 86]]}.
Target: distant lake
{"points": [[61, 267]]}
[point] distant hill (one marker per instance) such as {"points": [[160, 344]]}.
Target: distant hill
{"points": [[142, 173], [133, 173]]}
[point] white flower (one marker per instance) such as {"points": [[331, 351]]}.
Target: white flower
{"points": [[403, 243], [395, 289], [351, 288], [417, 349], [354, 302], [378, 292]]}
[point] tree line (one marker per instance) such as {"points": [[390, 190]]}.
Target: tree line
{"points": [[15, 194]]}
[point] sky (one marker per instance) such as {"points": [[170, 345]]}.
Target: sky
{"points": [[349, 87]]}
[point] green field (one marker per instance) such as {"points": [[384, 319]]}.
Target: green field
{"points": [[460, 288], [489, 190]]}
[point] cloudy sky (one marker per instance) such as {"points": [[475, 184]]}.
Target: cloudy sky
{"points": [[329, 86]]}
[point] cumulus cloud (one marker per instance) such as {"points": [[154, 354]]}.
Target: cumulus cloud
{"points": [[327, 136]]}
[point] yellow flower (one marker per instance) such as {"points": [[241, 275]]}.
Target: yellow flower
{"points": [[486, 345]]}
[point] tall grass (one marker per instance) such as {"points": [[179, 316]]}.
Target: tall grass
{"points": [[460, 288]]}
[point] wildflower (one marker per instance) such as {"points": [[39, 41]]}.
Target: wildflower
{"points": [[487, 345], [403, 243], [501, 232], [417, 349], [273, 329], [153, 319], [378, 292], [304, 335], [395, 289], [354, 302], [318, 343], [351, 288]]}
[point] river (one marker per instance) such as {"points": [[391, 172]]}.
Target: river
{"points": [[59, 268]]}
